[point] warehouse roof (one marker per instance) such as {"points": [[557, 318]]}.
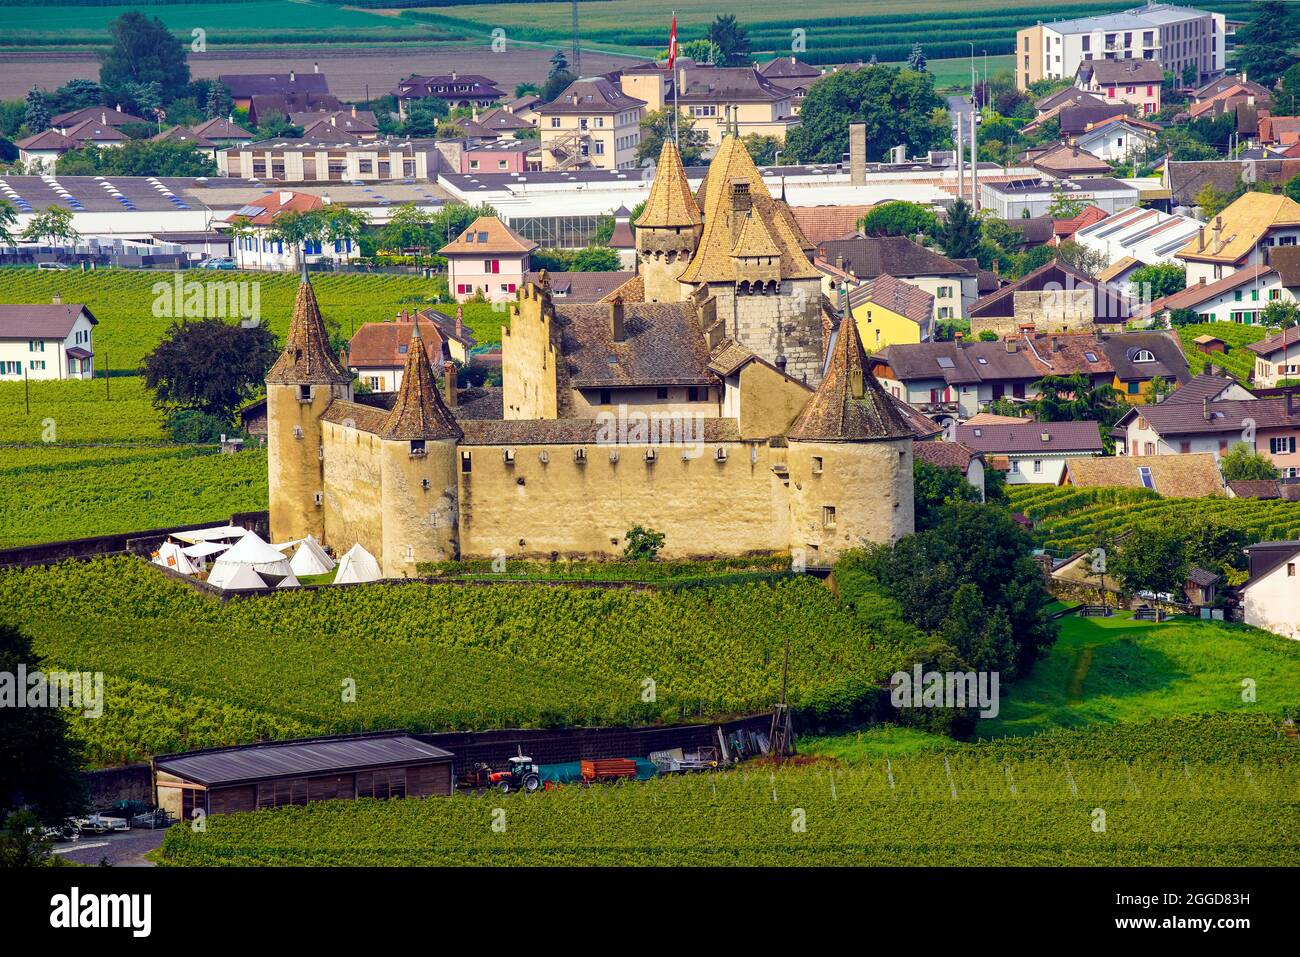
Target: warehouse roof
{"points": [[283, 759]]}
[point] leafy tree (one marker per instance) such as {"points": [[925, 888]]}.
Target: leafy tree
{"points": [[1162, 279], [1281, 314], [657, 126], [762, 149], [936, 487], [138, 158], [1244, 464], [960, 234], [37, 114], [980, 545], [556, 84], [894, 102], [39, 762], [597, 259], [916, 59], [900, 218], [142, 51], [53, 224], [209, 365], [642, 544], [731, 40], [1152, 559], [1264, 44]]}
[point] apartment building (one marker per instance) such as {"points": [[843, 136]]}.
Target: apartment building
{"points": [[593, 124], [1174, 36]]}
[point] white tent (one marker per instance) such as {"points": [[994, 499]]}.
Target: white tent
{"points": [[170, 555], [252, 552], [310, 558], [238, 578], [357, 565]]}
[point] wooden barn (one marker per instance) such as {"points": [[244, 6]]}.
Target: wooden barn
{"points": [[249, 777]]}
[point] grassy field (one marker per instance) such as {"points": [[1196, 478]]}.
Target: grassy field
{"points": [[930, 810], [1069, 519], [51, 493]]}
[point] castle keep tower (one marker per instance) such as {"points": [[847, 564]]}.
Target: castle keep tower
{"points": [[299, 387], [668, 230], [850, 461], [418, 471]]}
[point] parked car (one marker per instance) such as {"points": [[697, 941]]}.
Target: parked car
{"points": [[55, 267], [218, 262]]}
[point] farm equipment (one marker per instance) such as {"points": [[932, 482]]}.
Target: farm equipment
{"points": [[521, 774]]}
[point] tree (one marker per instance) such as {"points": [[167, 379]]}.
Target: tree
{"points": [[936, 487], [54, 223], [1153, 559], [762, 149], [642, 544], [657, 126], [597, 259], [1280, 314], [1264, 44], [209, 365], [895, 103], [37, 115], [900, 218], [142, 51], [916, 59], [731, 40], [39, 762], [960, 233], [1159, 280], [1244, 464]]}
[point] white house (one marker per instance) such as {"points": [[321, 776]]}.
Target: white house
{"points": [[1271, 596], [54, 341]]}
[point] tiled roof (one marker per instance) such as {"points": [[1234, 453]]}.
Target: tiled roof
{"points": [[419, 412], [946, 455], [1027, 438], [849, 405], [902, 298], [869, 256], [1173, 476], [1244, 223], [1284, 339], [732, 166], [487, 234], [307, 358], [662, 345], [385, 344], [670, 202]]}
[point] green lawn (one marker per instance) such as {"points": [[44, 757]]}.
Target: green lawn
{"points": [[1116, 672]]}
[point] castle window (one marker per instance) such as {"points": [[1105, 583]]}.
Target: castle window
{"points": [[817, 465], [828, 516], [466, 463], [417, 446]]}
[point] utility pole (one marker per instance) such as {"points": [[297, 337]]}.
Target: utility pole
{"points": [[577, 47]]}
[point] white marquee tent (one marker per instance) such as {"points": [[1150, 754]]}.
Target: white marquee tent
{"points": [[357, 565]]}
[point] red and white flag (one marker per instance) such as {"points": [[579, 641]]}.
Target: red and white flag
{"points": [[672, 43]]}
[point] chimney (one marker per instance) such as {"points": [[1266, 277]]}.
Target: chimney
{"points": [[617, 330], [858, 154], [449, 383]]}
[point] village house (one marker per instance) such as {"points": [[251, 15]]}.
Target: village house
{"points": [[592, 124], [1271, 595], [1240, 236], [1277, 358], [489, 259], [1032, 453], [52, 341]]}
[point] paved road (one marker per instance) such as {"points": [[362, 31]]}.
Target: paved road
{"points": [[122, 848]]}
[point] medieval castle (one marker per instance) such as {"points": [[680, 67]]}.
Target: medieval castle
{"points": [[715, 397]]}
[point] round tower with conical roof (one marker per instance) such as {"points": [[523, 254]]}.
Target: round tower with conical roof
{"points": [[668, 229], [299, 388], [418, 459]]}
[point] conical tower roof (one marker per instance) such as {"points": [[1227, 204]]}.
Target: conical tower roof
{"points": [[307, 358], [835, 413], [419, 412], [670, 202]]}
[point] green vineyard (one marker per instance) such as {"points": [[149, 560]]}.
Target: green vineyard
{"points": [[940, 809], [52, 493], [1070, 519]]}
